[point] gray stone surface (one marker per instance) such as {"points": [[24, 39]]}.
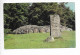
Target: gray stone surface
{"points": [[35, 30], [55, 26], [30, 31], [42, 30]]}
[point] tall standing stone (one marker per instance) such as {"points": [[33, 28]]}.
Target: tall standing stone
{"points": [[54, 27]]}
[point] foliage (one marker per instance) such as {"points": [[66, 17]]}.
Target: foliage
{"points": [[39, 12], [68, 17], [7, 31], [36, 40], [19, 14], [15, 15]]}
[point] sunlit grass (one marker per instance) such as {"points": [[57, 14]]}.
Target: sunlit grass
{"points": [[36, 40]]}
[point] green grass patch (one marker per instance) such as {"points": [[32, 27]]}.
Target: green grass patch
{"points": [[36, 40]]}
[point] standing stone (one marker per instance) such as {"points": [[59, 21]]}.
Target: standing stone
{"points": [[54, 27]]}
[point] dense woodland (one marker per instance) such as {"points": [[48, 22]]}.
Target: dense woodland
{"points": [[20, 14]]}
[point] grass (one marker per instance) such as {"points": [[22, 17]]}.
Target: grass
{"points": [[36, 40]]}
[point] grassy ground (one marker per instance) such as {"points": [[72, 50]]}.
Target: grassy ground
{"points": [[35, 40]]}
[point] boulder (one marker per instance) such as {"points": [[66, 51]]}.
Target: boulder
{"points": [[36, 30], [42, 30]]}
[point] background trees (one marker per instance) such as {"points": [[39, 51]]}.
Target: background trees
{"points": [[19, 14], [15, 15]]}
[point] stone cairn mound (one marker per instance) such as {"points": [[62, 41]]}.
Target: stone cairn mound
{"points": [[32, 29], [37, 29]]}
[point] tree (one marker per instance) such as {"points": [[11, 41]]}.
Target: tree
{"points": [[39, 12], [68, 17], [19, 14], [15, 15]]}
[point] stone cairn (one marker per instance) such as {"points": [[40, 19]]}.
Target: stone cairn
{"points": [[37, 29], [54, 27], [32, 29]]}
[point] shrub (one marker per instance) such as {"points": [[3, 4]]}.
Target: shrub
{"points": [[7, 31]]}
